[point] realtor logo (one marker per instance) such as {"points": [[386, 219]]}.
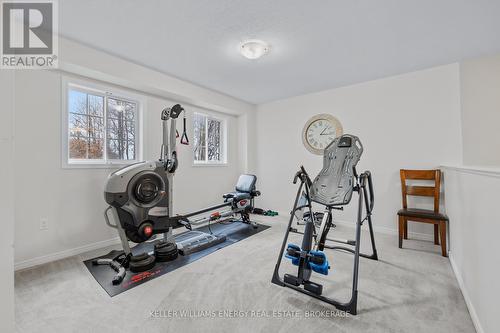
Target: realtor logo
{"points": [[29, 34]]}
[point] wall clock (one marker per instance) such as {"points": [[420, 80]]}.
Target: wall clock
{"points": [[320, 131]]}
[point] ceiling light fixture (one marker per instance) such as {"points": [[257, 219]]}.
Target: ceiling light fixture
{"points": [[254, 49]]}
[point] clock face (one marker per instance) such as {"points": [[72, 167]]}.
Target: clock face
{"points": [[320, 131]]}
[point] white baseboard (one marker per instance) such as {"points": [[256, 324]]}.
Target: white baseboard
{"points": [[64, 254], [468, 302], [379, 229]]}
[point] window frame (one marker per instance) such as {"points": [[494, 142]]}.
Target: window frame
{"points": [[224, 143], [89, 87]]}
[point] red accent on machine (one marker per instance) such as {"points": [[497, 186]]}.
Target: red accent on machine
{"points": [[148, 231]]}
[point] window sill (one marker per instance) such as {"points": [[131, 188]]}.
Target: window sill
{"points": [[96, 166], [210, 164]]}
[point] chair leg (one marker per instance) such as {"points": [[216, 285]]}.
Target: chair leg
{"points": [[442, 231], [401, 231], [406, 228], [436, 234]]}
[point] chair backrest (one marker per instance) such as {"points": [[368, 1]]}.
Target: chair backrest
{"points": [[421, 191], [246, 183]]}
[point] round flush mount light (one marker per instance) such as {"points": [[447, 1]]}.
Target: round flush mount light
{"points": [[254, 49]]}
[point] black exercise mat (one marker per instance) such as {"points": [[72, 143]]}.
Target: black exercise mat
{"points": [[234, 232]]}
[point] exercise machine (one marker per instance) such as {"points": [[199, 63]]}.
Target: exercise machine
{"points": [[140, 202], [140, 199], [236, 206], [332, 189]]}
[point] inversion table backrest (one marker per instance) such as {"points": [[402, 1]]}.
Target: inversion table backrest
{"points": [[333, 186]]}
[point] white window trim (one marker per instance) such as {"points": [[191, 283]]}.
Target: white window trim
{"points": [[224, 141], [102, 90]]}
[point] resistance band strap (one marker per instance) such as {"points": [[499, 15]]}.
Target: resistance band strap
{"points": [[184, 138]]}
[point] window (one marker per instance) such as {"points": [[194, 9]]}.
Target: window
{"points": [[102, 127], [209, 139]]}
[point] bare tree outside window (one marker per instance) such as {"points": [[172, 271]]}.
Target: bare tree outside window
{"points": [[207, 139], [199, 137], [120, 129], [86, 125], [214, 142], [100, 127]]}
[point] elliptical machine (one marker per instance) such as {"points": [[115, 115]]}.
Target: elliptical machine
{"points": [[140, 199], [141, 194], [332, 188]]}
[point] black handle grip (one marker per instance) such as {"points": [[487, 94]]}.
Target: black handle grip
{"points": [[304, 177], [370, 189], [366, 177], [297, 176]]}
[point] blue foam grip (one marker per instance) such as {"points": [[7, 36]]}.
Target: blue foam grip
{"points": [[323, 268], [295, 260]]}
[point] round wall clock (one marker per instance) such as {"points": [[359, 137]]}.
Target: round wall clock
{"points": [[320, 131]]}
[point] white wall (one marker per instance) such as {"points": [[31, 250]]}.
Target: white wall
{"points": [[247, 142], [471, 201], [7, 202], [408, 121], [472, 192], [480, 89], [72, 199], [82, 60]]}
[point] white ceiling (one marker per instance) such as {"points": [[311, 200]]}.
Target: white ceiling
{"points": [[316, 45]]}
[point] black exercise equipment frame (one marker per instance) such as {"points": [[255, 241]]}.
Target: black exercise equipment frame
{"points": [[365, 198]]}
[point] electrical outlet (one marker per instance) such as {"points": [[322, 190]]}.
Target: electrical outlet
{"points": [[44, 223]]}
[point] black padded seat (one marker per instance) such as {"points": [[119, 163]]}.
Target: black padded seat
{"points": [[245, 189], [422, 213], [238, 195]]}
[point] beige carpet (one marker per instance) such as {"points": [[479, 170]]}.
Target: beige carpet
{"points": [[409, 290]]}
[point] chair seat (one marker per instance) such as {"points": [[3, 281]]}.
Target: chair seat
{"points": [[422, 213]]}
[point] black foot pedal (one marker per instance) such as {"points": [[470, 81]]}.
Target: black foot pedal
{"points": [[315, 288], [165, 251], [290, 279], [141, 262]]}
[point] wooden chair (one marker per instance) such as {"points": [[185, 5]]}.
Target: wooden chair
{"points": [[422, 215]]}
